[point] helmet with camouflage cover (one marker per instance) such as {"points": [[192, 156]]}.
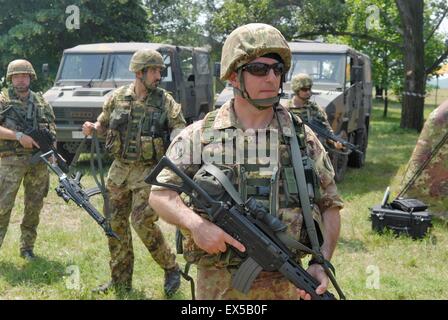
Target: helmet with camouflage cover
{"points": [[20, 66], [301, 80], [247, 43], [145, 58], [252, 41]]}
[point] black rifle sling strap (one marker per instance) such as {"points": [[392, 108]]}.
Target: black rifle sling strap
{"points": [[424, 164], [96, 151], [299, 172], [290, 242]]}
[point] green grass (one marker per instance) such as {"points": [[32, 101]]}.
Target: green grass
{"points": [[68, 238]]}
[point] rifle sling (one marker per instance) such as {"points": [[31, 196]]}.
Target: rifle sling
{"points": [[289, 241]]}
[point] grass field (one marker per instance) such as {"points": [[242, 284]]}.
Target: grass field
{"points": [[73, 254]]}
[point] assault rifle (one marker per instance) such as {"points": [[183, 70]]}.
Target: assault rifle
{"points": [[323, 132], [71, 189], [252, 225], [43, 137]]}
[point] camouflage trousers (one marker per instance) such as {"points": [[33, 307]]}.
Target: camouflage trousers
{"points": [[215, 284], [128, 195], [13, 170]]}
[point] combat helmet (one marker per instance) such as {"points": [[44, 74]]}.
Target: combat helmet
{"points": [[301, 80], [145, 58], [20, 66], [247, 43]]}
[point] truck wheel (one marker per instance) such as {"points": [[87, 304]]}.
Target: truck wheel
{"points": [[357, 160], [67, 155], [339, 162]]}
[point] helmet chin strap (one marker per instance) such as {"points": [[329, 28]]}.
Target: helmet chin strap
{"points": [[260, 104]]}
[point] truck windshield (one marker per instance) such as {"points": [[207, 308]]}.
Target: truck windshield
{"points": [[82, 67], [119, 68], [323, 68]]}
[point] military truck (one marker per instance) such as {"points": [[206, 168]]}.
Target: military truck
{"points": [[342, 86], [89, 73]]}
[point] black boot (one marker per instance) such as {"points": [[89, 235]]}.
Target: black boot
{"points": [[27, 254], [172, 281]]}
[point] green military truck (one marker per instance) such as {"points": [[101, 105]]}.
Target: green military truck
{"points": [[89, 73], [342, 86]]}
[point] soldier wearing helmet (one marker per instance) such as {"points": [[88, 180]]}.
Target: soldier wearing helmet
{"points": [[255, 58], [138, 120], [302, 106], [22, 109]]}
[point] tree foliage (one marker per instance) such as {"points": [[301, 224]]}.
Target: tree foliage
{"points": [[37, 31]]}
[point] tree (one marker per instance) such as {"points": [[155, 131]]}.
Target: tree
{"points": [[176, 22], [37, 30], [399, 44]]}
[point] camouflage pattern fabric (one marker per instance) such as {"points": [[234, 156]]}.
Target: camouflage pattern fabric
{"points": [[45, 119], [14, 170], [250, 41], [129, 197], [213, 284], [15, 167], [432, 185], [129, 193], [310, 110], [182, 152]]}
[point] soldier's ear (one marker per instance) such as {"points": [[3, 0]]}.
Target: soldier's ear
{"points": [[233, 79]]}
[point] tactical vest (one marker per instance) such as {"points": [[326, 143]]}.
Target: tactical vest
{"points": [[279, 190], [139, 131], [304, 113], [276, 191], [33, 113]]}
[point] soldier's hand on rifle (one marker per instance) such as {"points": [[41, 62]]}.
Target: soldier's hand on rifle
{"points": [[88, 127], [318, 272], [212, 239], [337, 145], [28, 143]]}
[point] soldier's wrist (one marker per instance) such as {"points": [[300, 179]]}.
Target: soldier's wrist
{"points": [[19, 135]]}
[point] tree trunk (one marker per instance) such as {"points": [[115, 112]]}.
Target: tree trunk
{"points": [[411, 14], [378, 92]]}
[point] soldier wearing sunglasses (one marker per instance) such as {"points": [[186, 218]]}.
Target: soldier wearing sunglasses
{"points": [[255, 59], [302, 106]]}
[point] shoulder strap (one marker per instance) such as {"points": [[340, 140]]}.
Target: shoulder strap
{"points": [[207, 123]]}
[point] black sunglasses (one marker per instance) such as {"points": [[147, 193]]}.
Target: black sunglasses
{"points": [[260, 69]]}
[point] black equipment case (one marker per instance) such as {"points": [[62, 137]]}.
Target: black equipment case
{"points": [[403, 216]]}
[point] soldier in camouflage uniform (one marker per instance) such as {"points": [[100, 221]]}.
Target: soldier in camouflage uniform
{"points": [[302, 106], [17, 104], [255, 58], [138, 119], [431, 186]]}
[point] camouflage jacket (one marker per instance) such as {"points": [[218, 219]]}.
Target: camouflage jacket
{"points": [[43, 117], [190, 148], [140, 130], [310, 110], [432, 184]]}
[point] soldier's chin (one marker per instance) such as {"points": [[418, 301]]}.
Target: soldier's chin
{"points": [[21, 88]]}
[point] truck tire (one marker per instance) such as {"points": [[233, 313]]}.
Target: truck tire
{"points": [[357, 160]]}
